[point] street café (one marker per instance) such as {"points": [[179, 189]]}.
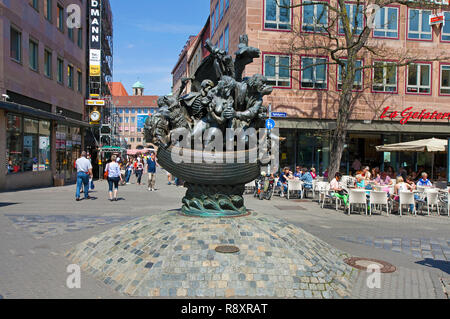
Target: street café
{"points": [[411, 113]]}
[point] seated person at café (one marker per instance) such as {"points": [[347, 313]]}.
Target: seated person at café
{"points": [[360, 181], [366, 173], [401, 186], [306, 178], [424, 181], [312, 171], [383, 179], [283, 180], [298, 172], [339, 192]]}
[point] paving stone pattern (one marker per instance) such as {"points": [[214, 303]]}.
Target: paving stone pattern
{"points": [[172, 255], [426, 248], [42, 226]]}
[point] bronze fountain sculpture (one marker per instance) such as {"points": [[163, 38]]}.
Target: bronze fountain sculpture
{"points": [[196, 127]]}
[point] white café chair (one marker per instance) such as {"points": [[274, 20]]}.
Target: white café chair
{"points": [[407, 198], [294, 185], [379, 198], [356, 197], [432, 199]]}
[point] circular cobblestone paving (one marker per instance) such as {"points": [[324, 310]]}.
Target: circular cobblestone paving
{"points": [[170, 255], [364, 263]]}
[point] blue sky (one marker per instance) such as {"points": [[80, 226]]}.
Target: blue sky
{"points": [[148, 37]]}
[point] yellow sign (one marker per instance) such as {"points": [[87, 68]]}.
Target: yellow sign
{"points": [[94, 70], [283, 156]]}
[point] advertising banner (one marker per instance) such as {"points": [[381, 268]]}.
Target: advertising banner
{"points": [[95, 37], [141, 120]]}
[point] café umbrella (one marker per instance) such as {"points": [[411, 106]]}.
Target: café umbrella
{"points": [[431, 145]]}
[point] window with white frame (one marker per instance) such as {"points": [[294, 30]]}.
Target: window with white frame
{"points": [[314, 16], [386, 23], [445, 31], [277, 70], [419, 24], [357, 83], [445, 79], [355, 17], [418, 76], [384, 77], [277, 14], [314, 73]]}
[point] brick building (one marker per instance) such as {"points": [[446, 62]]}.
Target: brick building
{"points": [[309, 97], [133, 111], [42, 82]]}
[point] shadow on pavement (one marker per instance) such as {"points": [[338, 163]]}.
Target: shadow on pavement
{"points": [[8, 204], [439, 264]]}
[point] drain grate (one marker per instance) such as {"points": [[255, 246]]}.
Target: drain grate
{"points": [[227, 249], [285, 207], [363, 263]]}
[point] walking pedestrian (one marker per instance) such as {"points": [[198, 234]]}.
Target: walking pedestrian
{"points": [[84, 171], [114, 177], [151, 170], [129, 171], [139, 170]]}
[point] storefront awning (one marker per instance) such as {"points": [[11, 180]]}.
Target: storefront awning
{"points": [[28, 110]]}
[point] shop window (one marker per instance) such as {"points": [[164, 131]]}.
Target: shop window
{"points": [[277, 15], [386, 23], [357, 84], [33, 55], [314, 17], [14, 143], [418, 76], [384, 77], [28, 144], [44, 145], [445, 31], [48, 63], [356, 17], [314, 73], [418, 24], [277, 70], [445, 79], [16, 45]]}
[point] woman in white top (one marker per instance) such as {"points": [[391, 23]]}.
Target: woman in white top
{"points": [[114, 177]]}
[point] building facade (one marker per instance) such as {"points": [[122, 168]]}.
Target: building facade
{"points": [[132, 112], [396, 104], [43, 85]]}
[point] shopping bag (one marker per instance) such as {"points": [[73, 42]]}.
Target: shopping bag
{"points": [[91, 184]]}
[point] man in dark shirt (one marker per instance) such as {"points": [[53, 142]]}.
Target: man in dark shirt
{"points": [[151, 169]]}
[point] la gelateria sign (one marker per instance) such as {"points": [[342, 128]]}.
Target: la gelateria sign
{"points": [[415, 114]]}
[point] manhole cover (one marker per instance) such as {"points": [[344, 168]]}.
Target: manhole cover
{"points": [[227, 249], [284, 207], [364, 263]]}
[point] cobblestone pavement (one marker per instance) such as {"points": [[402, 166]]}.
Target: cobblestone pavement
{"points": [[427, 248], [39, 226]]}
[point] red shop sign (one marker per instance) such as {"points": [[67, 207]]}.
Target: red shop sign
{"points": [[410, 113]]}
